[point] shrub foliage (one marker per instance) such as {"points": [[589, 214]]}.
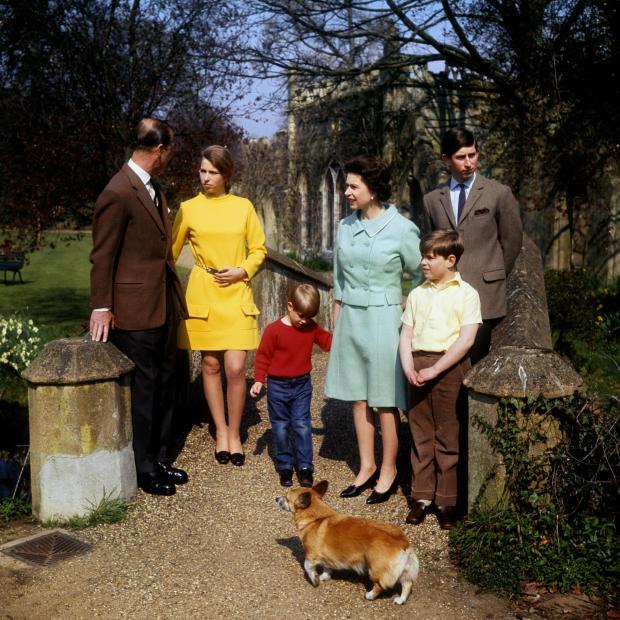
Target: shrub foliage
{"points": [[555, 523]]}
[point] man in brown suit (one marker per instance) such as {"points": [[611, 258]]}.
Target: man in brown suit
{"points": [[486, 215], [135, 292]]}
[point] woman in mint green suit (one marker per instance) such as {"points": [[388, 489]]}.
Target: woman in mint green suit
{"points": [[374, 246]]}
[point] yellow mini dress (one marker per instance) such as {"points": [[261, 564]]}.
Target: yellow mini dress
{"points": [[222, 232]]}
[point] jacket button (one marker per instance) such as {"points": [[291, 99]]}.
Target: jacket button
{"points": [[163, 237]]}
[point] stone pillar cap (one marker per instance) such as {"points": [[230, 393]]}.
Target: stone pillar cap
{"points": [[522, 372], [77, 360]]}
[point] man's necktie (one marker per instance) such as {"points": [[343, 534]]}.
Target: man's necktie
{"points": [[462, 199], [157, 199]]}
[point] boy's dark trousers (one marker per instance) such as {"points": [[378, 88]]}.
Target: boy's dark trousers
{"points": [[434, 425], [288, 403]]}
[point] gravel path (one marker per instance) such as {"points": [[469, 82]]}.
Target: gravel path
{"points": [[220, 548]]}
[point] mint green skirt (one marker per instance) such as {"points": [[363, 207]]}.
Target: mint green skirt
{"points": [[364, 363]]}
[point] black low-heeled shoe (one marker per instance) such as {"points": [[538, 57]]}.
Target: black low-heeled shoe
{"points": [[222, 457], [237, 458], [377, 497], [354, 491]]}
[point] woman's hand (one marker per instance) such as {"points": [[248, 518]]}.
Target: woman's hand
{"points": [[229, 275], [335, 313]]}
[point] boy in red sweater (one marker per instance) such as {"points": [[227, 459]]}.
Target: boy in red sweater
{"points": [[285, 358]]}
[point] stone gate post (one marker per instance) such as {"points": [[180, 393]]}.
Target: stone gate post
{"points": [[520, 363], [79, 406]]}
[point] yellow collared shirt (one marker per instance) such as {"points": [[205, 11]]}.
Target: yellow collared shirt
{"points": [[437, 313]]}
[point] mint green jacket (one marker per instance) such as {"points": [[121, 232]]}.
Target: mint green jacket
{"points": [[371, 256]]}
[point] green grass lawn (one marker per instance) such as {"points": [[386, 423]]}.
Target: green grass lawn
{"points": [[55, 292], [55, 289]]}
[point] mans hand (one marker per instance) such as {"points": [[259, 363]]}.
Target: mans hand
{"points": [[427, 374], [411, 374], [256, 388], [101, 321], [229, 275]]}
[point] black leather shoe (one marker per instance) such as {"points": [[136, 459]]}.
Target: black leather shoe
{"points": [[305, 477], [417, 514], [237, 458], [154, 484], [222, 457], [172, 474], [378, 498], [353, 491], [286, 477], [446, 517]]}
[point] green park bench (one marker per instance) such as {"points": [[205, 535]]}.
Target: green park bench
{"points": [[12, 261]]}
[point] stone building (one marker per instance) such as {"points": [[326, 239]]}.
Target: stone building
{"points": [[297, 180]]}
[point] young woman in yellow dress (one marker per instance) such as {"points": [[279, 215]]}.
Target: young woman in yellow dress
{"points": [[228, 244]]}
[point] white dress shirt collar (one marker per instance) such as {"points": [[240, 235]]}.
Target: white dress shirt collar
{"points": [[144, 176]]}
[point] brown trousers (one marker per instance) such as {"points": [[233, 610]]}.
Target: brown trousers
{"points": [[434, 425]]}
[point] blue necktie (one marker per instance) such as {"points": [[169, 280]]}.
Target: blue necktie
{"points": [[462, 199]]}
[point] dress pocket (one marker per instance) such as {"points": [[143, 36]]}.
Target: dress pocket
{"points": [[250, 309], [197, 311]]}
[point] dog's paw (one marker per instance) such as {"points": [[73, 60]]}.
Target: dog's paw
{"points": [[370, 596], [311, 572], [324, 576], [399, 600]]}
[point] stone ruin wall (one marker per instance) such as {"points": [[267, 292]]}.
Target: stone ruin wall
{"points": [[301, 200]]}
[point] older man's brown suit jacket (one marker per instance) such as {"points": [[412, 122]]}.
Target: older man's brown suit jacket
{"points": [[131, 257], [492, 233]]}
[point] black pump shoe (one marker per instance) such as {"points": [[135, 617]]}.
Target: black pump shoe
{"points": [[354, 491], [378, 498], [237, 458], [222, 457]]}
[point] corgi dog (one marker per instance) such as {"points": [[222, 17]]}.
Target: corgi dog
{"points": [[334, 541]]}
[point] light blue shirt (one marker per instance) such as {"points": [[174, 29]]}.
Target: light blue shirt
{"points": [[455, 190]]}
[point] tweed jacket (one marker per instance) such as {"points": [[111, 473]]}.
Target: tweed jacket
{"points": [[492, 233], [131, 256]]}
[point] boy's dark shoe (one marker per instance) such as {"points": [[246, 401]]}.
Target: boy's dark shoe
{"points": [[286, 477], [417, 514], [305, 477], [446, 517]]}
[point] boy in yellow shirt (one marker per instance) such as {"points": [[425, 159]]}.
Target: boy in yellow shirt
{"points": [[440, 322]]}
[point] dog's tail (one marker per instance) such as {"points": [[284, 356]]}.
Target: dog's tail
{"points": [[409, 574], [411, 566]]}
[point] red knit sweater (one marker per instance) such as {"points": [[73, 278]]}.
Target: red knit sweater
{"points": [[286, 351]]}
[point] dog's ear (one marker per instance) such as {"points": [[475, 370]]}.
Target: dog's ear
{"points": [[321, 487], [303, 500]]}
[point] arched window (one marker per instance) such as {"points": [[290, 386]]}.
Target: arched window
{"points": [[304, 219], [333, 205], [343, 203]]}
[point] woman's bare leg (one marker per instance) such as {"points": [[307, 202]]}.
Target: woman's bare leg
{"points": [[234, 366], [388, 419], [365, 433], [212, 384]]}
